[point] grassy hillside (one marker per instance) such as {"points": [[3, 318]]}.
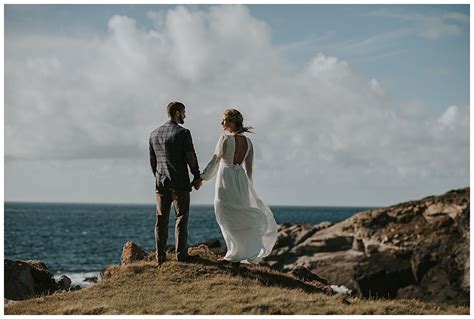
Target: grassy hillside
{"points": [[206, 287]]}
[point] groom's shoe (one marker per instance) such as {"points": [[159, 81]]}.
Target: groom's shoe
{"points": [[160, 259]]}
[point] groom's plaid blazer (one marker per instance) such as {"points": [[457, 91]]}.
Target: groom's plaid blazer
{"points": [[171, 151]]}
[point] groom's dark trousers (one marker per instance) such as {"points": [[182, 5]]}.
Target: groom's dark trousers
{"points": [[171, 152], [163, 207]]}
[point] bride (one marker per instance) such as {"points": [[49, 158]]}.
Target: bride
{"points": [[247, 224]]}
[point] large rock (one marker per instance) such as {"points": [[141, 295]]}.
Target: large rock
{"points": [[418, 248], [131, 253], [25, 279]]}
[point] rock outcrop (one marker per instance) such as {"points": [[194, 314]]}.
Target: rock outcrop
{"points": [[418, 249], [132, 253], [27, 278]]}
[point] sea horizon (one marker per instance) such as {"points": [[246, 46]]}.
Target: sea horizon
{"points": [[195, 205]]}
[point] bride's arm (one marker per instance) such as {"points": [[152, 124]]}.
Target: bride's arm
{"points": [[211, 169], [249, 161]]}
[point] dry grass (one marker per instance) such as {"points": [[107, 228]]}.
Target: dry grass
{"points": [[206, 287]]}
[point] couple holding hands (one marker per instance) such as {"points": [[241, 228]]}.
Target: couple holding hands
{"points": [[246, 223]]}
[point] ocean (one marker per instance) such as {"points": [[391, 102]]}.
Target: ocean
{"points": [[80, 240]]}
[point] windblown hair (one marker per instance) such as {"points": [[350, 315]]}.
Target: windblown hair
{"points": [[174, 107], [235, 117]]}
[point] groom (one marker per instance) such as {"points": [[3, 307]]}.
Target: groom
{"points": [[171, 151]]}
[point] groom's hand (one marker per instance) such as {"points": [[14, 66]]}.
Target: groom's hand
{"points": [[197, 183]]}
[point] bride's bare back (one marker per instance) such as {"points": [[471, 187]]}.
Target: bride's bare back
{"points": [[241, 148]]}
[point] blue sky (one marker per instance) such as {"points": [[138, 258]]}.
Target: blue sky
{"points": [[354, 104]]}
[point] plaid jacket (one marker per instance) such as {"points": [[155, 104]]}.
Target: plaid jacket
{"points": [[171, 151]]}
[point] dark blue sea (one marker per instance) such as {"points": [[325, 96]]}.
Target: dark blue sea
{"points": [[82, 239]]}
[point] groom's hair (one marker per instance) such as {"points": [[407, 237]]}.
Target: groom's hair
{"points": [[174, 107]]}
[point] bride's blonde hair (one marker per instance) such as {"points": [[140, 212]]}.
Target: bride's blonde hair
{"points": [[235, 117]]}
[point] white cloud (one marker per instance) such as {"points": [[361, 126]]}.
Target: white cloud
{"points": [[414, 109], [435, 28], [449, 117], [431, 25], [375, 85], [322, 129]]}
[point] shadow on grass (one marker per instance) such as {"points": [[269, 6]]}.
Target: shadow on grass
{"points": [[265, 276]]}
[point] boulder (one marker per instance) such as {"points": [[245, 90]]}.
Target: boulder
{"points": [[19, 283], [132, 253], [25, 279], [64, 282]]}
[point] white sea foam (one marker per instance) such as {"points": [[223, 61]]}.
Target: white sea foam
{"points": [[78, 277], [341, 289]]}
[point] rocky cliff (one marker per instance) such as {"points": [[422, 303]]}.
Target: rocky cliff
{"points": [[418, 249]]}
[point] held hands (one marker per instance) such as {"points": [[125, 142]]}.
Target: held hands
{"points": [[197, 183]]}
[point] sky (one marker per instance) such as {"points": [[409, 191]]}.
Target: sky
{"points": [[352, 105]]}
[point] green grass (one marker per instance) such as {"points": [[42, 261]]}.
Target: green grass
{"points": [[206, 287]]}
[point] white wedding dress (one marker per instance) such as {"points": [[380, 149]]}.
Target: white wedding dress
{"points": [[247, 224]]}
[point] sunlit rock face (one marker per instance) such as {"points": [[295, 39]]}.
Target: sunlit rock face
{"points": [[417, 249]]}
